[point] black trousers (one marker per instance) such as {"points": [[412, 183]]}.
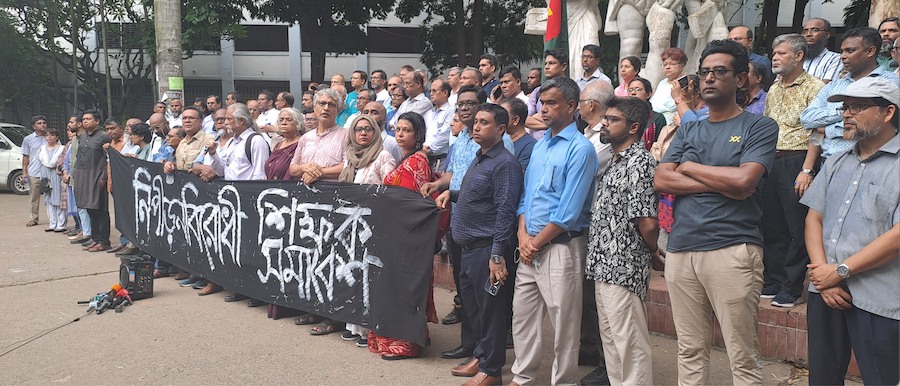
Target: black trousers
{"points": [[466, 335], [832, 335], [100, 221], [487, 313], [783, 226]]}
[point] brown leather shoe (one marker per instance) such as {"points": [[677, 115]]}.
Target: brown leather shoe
{"points": [[116, 248], [158, 274], [482, 379], [91, 245], [466, 370], [181, 275], [513, 384], [99, 248], [210, 288]]}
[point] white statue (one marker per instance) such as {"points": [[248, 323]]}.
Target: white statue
{"points": [[584, 26], [626, 18]]}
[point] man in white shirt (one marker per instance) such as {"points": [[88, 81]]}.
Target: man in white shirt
{"points": [[437, 124], [510, 85], [453, 79], [414, 84], [268, 115], [377, 81], [819, 61], [175, 109], [213, 103], [379, 113]]}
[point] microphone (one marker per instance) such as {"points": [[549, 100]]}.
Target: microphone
{"points": [[219, 135]]}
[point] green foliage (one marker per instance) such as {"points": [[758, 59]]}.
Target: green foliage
{"points": [[856, 14], [24, 75]]}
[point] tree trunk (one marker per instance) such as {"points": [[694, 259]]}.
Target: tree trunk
{"points": [[460, 33], [316, 41], [477, 36], [799, 10], [770, 22], [168, 42]]}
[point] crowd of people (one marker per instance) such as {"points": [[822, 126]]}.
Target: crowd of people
{"points": [[565, 194]]}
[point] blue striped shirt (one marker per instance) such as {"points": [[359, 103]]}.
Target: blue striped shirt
{"points": [[827, 66], [859, 201], [821, 113]]}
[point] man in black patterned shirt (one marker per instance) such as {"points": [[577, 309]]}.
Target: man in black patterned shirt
{"points": [[622, 243]]}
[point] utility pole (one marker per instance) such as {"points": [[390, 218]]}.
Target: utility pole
{"points": [[75, 108], [168, 44]]}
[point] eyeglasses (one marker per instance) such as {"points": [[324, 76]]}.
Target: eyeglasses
{"points": [[854, 108], [671, 64], [154, 127], [327, 105], [613, 118], [810, 31], [895, 49], [635, 89], [286, 120], [171, 135], [588, 57], [367, 129], [469, 104], [313, 119], [718, 72]]}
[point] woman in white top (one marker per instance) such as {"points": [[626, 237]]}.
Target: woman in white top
{"points": [[49, 157], [367, 163], [674, 60]]}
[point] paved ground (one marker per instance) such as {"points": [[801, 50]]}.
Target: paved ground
{"points": [[178, 337]]}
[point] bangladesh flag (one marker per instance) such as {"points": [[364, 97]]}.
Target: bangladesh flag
{"points": [[557, 36]]}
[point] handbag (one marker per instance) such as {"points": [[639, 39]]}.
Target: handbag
{"points": [[45, 186]]}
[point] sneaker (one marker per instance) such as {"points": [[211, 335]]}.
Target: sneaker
{"points": [[187, 282], [783, 299], [200, 284], [349, 336], [769, 292], [362, 342]]}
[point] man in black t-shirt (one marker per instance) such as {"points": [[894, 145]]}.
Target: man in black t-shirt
{"points": [[714, 265]]}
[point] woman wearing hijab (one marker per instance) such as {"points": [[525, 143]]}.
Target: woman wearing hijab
{"points": [[367, 163], [412, 173]]}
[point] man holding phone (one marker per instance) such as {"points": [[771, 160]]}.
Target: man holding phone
{"points": [[483, 226]]}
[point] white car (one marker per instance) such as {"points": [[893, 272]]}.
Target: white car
{"points": [[11, 137]]}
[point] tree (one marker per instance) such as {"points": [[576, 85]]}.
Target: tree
{"points": [[496, 24], [327, 26], [59, 26], [24, 74]]}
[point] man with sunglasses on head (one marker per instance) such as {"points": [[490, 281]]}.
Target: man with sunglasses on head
{"points": [[853, 235], [859, 54], [714, 260]]}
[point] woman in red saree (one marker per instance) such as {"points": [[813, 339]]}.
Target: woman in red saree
{"points": [[412, 173]]}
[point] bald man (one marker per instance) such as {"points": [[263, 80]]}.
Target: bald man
{"points": [[379, 113]]}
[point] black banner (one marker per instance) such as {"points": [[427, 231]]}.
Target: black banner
{"points": [[361, 254]]}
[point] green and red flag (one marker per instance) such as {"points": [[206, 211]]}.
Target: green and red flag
{"points": [[557, 36]]}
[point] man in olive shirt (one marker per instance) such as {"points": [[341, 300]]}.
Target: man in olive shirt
{"points": [[192, 145], [784, 248]]}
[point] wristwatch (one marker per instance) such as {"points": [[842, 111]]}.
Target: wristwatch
{"points": [[843, 271], [810, 172], [496, 259], [679, 100]]}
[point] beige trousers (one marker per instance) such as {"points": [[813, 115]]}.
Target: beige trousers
{"points": [[554, 287], [625, 334], [35, 196], [726, 282]]}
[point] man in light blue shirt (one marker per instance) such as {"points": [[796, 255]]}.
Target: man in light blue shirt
{"points": [[31, 164], [860, 47], [553, 216]]}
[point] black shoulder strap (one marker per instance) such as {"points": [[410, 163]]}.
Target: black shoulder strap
{"points": [[248, 145]]}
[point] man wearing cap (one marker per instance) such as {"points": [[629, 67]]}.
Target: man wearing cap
{"points": [[853, 239]]}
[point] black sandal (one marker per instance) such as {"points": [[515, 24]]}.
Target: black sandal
{"points": [[307, 319], [325, 327]]}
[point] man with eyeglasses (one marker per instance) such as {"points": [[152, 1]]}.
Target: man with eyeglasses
{"points": [[321, 153], [363, 97], [160, 127], [744, 37], [859, 54], [377, 82], [819, 61], [464, 150], [590, 59], [414, 85], [853, 234], [437, 124], [714, 253], [784, 254], [213, 103]]}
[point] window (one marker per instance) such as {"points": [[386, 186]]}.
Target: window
{"points": [[264, 38]]}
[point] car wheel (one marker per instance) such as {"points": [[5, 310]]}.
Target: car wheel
{"points": [[17, 184]]}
